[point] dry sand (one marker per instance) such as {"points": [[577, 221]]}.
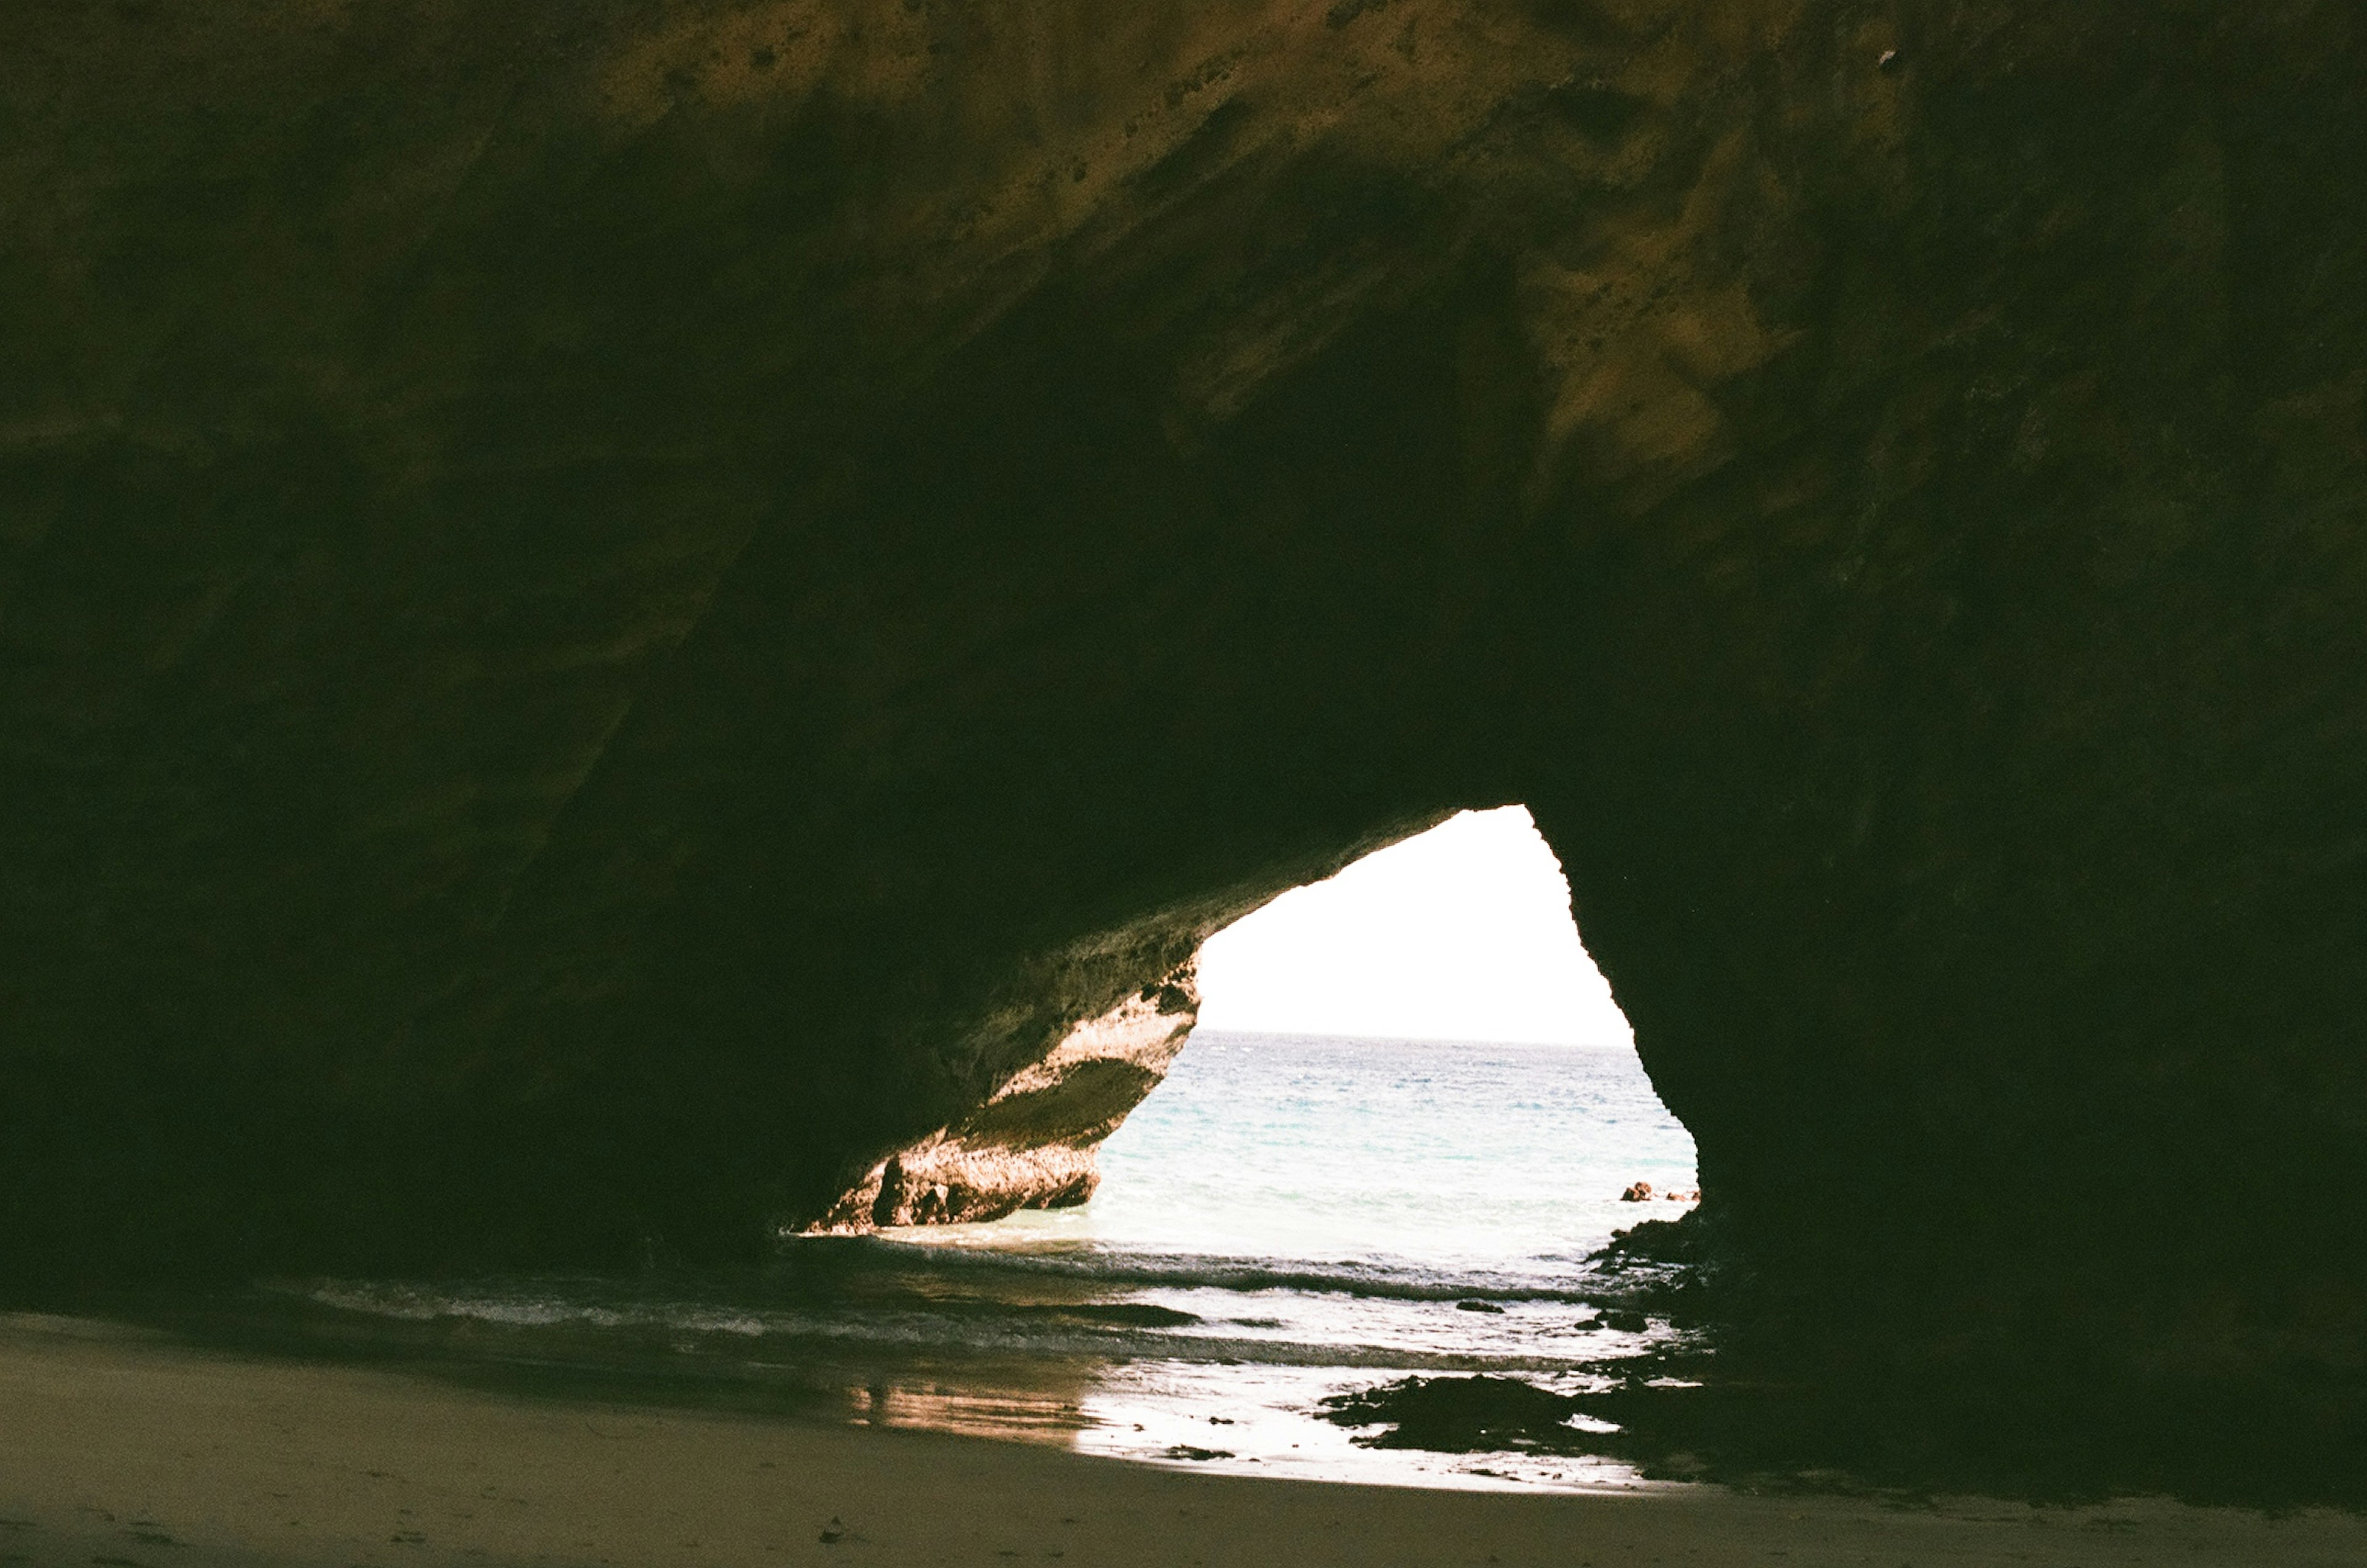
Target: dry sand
{"points": [[119, 1447]]}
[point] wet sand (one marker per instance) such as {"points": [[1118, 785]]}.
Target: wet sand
{"points": [[123, 1447]]}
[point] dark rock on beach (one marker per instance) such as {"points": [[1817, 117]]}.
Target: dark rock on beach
{"points": [[1458, 1415], [1198, 1455]]}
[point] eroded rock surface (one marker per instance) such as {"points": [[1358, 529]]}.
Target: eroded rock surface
{"points": [[1032, 1145], [613, 612]]}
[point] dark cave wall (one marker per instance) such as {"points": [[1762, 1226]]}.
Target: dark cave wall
{"points": [[585, 780], [1992, 881], [612, 612]]}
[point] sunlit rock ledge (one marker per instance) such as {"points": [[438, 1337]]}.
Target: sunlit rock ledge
{"points": [[614, 612], [1032, 1145]]}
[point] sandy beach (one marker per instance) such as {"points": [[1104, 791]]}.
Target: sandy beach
{"points": [[122, 1447]]}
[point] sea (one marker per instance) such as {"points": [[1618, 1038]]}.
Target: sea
{"points": [[1286, 1228]]}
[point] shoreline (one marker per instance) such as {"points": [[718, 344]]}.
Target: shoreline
{"points": [[126, 1447]]}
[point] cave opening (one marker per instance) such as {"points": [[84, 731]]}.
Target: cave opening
{"points": [[1408, 1119], [1415, 1060]]}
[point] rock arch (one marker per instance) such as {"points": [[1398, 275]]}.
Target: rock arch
{"points": [[615, 610]]}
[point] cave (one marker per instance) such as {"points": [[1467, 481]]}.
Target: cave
{"points": [[1441, 978], [614, 611]]}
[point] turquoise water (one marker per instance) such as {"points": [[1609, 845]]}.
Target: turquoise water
{"points": [[1286, 1221]]}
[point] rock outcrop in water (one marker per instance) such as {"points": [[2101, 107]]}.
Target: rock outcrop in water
{"points": [[613, 612]]}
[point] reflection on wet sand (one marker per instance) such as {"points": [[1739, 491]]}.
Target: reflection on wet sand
{"points": [[878, 1336], [1009, 1416]]}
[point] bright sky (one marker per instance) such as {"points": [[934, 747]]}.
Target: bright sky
{"points": [[1463, 933]]}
